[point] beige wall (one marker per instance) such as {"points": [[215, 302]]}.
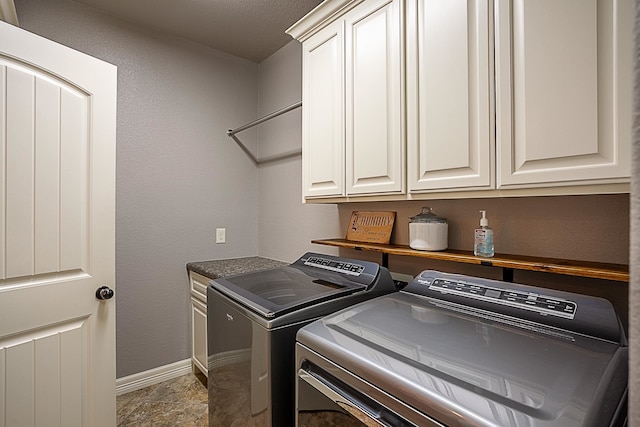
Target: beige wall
{"points": [[590, 228]]}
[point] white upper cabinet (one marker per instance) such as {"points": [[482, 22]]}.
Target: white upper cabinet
{"points": [[563, 92], [375, 137], [417, 99], [449, 83], [323, 113], [353, 99]]}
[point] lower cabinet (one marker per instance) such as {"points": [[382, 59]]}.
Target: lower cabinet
{"points": [[198, 286]]}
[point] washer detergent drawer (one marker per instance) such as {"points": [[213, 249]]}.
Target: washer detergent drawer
{"points": [[330, 395]]}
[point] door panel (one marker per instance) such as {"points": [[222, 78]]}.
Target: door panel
{"points": [[46, 159], [563, 106], [47, 170], [375, 138], [449, 95], [57, 234], [322, 120], [52, 359]]}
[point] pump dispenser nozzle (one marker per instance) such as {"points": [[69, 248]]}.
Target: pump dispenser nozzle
{"points": [[484, 221]]}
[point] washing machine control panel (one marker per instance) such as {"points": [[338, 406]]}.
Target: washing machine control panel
{"points": [[338, 266], [529, 301], [523, 304]]}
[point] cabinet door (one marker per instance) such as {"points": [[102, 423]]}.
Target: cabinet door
{"points": [[563, 95], [199, 335], [323, 113], [375, 147], [450, 142]]}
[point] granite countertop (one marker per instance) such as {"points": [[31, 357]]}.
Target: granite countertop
{"points": [[227, 267]]}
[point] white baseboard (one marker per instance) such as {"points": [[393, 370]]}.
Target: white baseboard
{"points": [[153, 376]]}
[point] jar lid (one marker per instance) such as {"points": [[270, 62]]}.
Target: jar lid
{"points": [[427, 215]]}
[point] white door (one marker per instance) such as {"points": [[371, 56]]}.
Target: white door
{"points": [[323, 113], [375, 139], [57, 184], [449, 95], [563, 91]]}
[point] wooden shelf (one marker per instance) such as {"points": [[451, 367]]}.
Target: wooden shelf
{"points": [[595, 270]]}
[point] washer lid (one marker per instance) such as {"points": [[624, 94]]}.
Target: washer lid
{"points": [[274, 292], [312, 279], [469, 368]]}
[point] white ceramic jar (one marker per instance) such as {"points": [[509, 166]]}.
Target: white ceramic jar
{"points": [[428, 232]]}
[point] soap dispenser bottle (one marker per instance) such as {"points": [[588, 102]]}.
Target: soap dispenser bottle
{"points": [[483, 238]]}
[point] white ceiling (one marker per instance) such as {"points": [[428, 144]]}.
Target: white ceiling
{"points": [[250, 29]]}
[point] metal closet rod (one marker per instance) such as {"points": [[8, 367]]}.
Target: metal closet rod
{"points": [[232, 132]]}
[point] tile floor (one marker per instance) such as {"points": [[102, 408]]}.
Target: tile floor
{"points": [[179, 402], [182, 402]]}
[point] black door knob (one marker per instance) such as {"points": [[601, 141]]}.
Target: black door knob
{"points": [[104, 292]]}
